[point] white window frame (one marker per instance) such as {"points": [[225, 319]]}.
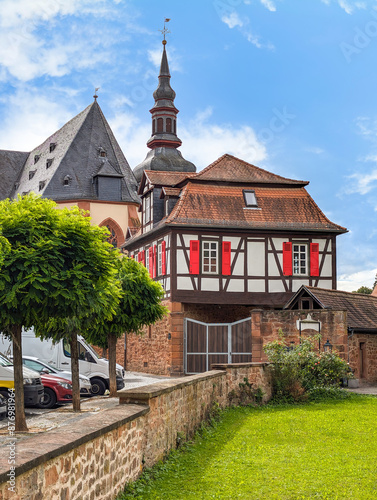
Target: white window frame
{"points": [[211, 247], [147, 209], [300, 258], [147, 258], [159, 259]]}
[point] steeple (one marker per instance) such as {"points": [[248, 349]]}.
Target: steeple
{"points": [[164, 140], [164, 112]]}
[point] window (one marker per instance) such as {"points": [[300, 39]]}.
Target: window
{"points": [[147, 214], [31, 174], [166, 206], [52, 146], [36, 158], [210, 257], [42, 185], [112, 239], [250, 198], [160, 125], [168, 124], [147, 259], [67, 180], [159, 260], [49, 162], [300, 259]]}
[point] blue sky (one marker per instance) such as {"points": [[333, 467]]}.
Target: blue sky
{"points": [[289, 85]]}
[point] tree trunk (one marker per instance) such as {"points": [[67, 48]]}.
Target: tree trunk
{"points": [[75, 372], [20, 422], [112, 344]]}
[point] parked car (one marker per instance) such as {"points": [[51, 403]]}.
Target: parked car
{"points": [[44, 368], [33, 388], [58, 355], [56, 390]]}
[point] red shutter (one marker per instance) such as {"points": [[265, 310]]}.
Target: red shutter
{"points": [[194, 257], [163, 257], [226, 258], [139, 256], [287, 259], [151, 262], [142, 257], [314, 259], [154, 274]]}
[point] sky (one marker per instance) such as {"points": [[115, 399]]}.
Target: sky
{"points": [[288, 85]]}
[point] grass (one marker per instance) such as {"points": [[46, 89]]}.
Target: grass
{"points": [[316, 450]]}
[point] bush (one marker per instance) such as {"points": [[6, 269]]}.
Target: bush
{"points": [[296, 370]]}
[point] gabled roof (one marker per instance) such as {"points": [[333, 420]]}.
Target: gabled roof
{"points": [[159, 178], [223, 205], [11, 165], [228, 168], [168, 191], [77, 155], [361, 308]]}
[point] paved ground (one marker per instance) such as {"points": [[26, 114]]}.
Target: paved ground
{"points": [[39, 420], [372, 390]]}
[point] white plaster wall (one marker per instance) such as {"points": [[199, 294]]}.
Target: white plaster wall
{"points": [[256, 286], [255, 258], [210, 284], [184, 283], [236, 286], [275, 286]]}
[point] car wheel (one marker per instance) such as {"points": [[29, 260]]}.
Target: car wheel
{"points": [[98, 387], [4, 394], [48, 400]]}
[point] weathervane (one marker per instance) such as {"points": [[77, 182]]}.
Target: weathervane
{"points": [[95, 93], [165, 30]]}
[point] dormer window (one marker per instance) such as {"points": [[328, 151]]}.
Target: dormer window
{"points": [[16, 186], [42, 185], [36, 158], [67, 180], [49, 162], [250, 198], [166, 206], [102, 153], [52, 146], [147, 208], [31, 174]]}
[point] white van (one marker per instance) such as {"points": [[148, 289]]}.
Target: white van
{"points": [[59, 356]]}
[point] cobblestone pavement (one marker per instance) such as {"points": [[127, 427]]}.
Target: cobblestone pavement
{"points": [[39, 420]]}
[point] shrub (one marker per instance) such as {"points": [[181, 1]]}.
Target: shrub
{"points": [[298, 369]]}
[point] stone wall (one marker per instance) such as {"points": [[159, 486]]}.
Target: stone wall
{"points": [[97, 455], [368, 372]]}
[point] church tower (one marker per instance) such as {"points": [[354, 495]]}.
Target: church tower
{"points": [[164, 155]]}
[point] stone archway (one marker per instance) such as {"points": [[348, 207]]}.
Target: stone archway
{"points": [[116, 237]]}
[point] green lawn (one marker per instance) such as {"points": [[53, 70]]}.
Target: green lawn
{"points": [[319, 450]]}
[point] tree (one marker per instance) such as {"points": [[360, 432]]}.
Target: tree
{"points": [[57, 271], [139, 306], [364, 289]]}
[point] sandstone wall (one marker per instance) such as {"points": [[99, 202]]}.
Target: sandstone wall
{"points": [[95, 456]]}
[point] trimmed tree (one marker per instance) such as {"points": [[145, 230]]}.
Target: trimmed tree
{"points": [[139, 306], [52, 270]]}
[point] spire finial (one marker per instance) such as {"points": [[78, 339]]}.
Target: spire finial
{"points": [[165, 30], [95, 93]]}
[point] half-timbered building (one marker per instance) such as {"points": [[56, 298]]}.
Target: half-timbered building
{"points": [[224, 241]]}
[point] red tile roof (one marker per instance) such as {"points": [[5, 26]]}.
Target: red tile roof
{"points": [[168, 191], [158, 178], [228, 168], [278, 208]]}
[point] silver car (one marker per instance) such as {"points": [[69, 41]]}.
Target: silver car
{"points": [[42, 367]]}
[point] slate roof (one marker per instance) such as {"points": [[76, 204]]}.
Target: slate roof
{"points": [[361, 308], [223, 205], [77, 155], [11, 165]]}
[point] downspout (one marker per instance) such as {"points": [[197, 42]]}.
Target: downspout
{"points": [[350, 333]]}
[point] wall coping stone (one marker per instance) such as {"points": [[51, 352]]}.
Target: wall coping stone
{"points": [[151, 391], [224, 366], [38, 448]]}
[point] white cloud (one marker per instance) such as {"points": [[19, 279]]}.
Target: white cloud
{"points": [[32, 44], [353, 281], [232, 20], [30, 117], [347, 5], [154, 56], [364, 182], [315, 150], [269, 5]]}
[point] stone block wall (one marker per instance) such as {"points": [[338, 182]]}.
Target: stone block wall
{"points": [[368, 372], [96, 455]]}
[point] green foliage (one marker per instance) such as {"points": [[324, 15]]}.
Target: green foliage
{"points": [[246, 394], [321, 393], [313, 450], [297, 369], [364, 289], [139, 304], [57, 266]]}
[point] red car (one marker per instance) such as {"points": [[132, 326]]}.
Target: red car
{"points": [[56, 390]]}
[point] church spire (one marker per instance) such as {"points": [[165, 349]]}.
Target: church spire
{"points": [[163, 143], [164, 112]]}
